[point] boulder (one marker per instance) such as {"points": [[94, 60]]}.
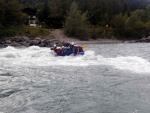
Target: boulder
{"points": [[24, 44], [34, 42], [17, 39], [42, 44], [148, 38], [2, 42], [15, 44], [8, 41], [51, 42], [37, 38], [1, 45], [145, 39], [26, 39]]}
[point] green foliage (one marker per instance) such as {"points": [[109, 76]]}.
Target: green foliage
{"points": [[128, 18], [7, 31], [24, 31], [76, 23], [118, 22], [148, 25], [2, 11], [13, 14], [148, 9], [95, 32], [32, 31], [44, 13], [134, 25], [135, 20], [10, 13], [58, 11], [129, 32], [101, 32]]}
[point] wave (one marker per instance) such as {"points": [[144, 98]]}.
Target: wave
{"points": [[37, 56]]}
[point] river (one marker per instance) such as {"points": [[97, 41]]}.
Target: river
{"points": [[109, 78]]}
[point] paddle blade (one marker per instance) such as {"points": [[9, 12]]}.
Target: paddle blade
{"points": [[84, 47]]}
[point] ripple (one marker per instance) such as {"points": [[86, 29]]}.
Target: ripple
{"points": [[6, 74], [7, 93]]}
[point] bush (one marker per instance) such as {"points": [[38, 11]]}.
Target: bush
{"points": [[95, 32], [131, 33], [147, 25], [101, 32], [32, 31], [147, 31], [135, 20], [118, 22], [7, 32], [76, 23], [134, 25], [24, 31]]}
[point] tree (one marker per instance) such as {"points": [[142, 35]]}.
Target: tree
{"points": [[58, 10], [12, 13], [148, 12], [76, 23], [44, 13], [2, 11], [135, 27], [118, 23], [126, 9]]}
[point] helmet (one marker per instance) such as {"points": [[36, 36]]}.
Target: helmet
{"points": [[72, 43], [59, 48]]}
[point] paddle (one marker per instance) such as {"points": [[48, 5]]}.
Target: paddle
{"points": [[84, 47]]}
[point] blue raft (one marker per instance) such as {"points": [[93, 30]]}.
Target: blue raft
{"points": [[68, 51]]}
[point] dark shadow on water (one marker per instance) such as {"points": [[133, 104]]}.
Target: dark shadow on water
{"points": [[7, 93], [6, 74]]}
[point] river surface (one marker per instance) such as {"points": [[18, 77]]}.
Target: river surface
{"points": [[109, 78]]}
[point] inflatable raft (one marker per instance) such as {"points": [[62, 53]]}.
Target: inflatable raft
{"points": [[68, 51]]}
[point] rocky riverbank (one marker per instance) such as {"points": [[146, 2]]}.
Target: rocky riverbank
{"points": [[58, 38], [23, 41], [27, 41]]}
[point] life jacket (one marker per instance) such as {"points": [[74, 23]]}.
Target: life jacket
{"points": [[58, 51], [66, 51], [77, 49], [80, 49]]}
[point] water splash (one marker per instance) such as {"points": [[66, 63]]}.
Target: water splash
{"points": [[37, 56]]}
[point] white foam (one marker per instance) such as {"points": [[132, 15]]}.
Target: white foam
{"points": [[36, 56], [132, 63]]}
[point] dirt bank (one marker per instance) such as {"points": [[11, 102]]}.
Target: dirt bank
{"points": [[59, 34]]}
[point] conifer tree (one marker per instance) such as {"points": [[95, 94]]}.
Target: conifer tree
{"points": [[13, 14], [10, 13], [2, 11], [44, 13], [76, 23]]}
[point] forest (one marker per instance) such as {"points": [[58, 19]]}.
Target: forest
{"points": [[84, 19]]}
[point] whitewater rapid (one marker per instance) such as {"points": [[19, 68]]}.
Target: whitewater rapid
{"points": [[109, 78], [11, 57]]}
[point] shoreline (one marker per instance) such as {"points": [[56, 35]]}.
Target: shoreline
{"points": [[58, 37], [23, 41], [104, 41]]}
